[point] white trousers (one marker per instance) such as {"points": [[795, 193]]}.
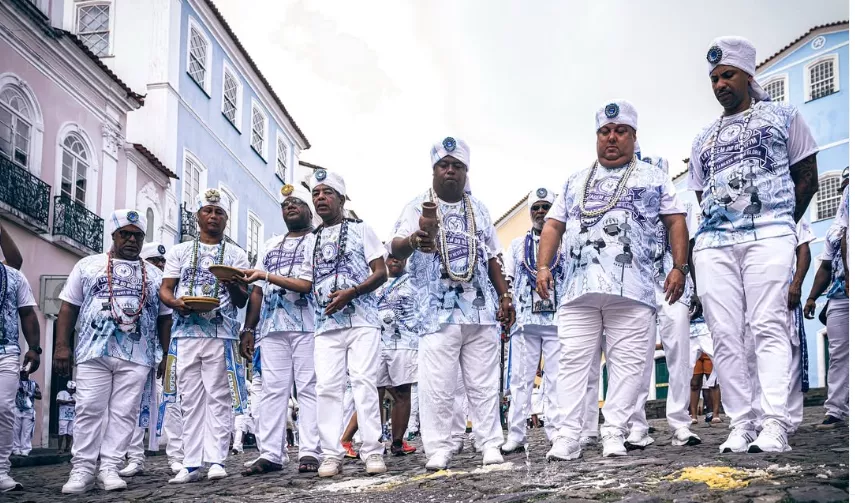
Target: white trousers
{"points": [[748, 283], [172, 429], [474, 350], [591, 414], [287, 358], [460, 410], [9, 378], [106, 409], [527, 345], [638, 419], [136, 447], [413, 425], [25, 424], [582, 324], [206, 401], [837, 328], [337, 352]]}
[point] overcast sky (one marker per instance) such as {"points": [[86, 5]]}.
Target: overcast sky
{"points": [[374, 84]]}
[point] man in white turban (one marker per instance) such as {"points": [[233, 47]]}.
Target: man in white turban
{"points": [[754, 172]]}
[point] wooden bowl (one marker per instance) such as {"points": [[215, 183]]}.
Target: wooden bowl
{"points": [[226, 273], [201, 304]]}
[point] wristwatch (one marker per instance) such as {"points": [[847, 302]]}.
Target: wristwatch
{"points": [[683, 269], [37, 349]]}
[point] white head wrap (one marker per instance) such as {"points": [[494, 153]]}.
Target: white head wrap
{"points": [[328, 178], [540, 194], [737, 52], [152, 250], [298, 192], [211, 197], [617, 112], [71, 385], [121, 218], [456, 148]]}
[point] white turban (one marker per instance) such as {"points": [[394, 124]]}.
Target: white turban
{"points": [[121, 218], [297, 192], [617, 112], [211, 197], [152, 250], [450, 146], [71, 385], [328, 178], [737, 52], [540, 194]]}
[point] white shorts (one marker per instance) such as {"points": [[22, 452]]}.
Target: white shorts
{"points": [[711, 381], [66, 427], [397, 367]]}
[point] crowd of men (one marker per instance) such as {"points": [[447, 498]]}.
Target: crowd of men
{"points": [[614, 261]]}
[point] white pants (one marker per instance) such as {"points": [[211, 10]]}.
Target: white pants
{"points": [[287, 358], [638, 419], [474, 350], [173, 428], [413, 425], [348, 408], [242, 424], [136, 447], [591, 414], [748, 283], [353, 350], [206, 401], [837, 328], [582, 324], [25, 423], [9, 378], [106, 411], [698, 345], [460, 414], [526, 347]]}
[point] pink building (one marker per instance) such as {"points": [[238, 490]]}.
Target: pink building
{"points": [[63, 161]]}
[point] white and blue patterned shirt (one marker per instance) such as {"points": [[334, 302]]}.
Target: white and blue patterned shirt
{"points": [[396, 307], [284, 310], [832, 252], [98, 334], [614, 254], [842, 217], [361, 247], [664, 261], [523, 281], [751, 195], [441, 300], [699, 327], [18, 294], [25, 399], [221, 323]]}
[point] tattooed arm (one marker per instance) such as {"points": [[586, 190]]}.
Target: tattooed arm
{"points": [[806, 183]]}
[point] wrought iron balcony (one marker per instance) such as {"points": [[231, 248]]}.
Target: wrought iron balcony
{"points": [[72, 221], [24, 196]]}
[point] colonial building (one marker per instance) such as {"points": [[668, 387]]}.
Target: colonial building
{"points": [[63, 161]]}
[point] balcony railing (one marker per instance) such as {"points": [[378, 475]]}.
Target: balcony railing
{"points": [[26, 194], [190, 231], [75, 222]]}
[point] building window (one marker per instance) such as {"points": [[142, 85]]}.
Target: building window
{"points": [[93, 26], [777, 89], [199, 57], [827, 199], [192, 182], [822, 78], [259, 127], [231, 96], [75, 163], [253, 235], [281, 157], [15, 126], [149, 225]]}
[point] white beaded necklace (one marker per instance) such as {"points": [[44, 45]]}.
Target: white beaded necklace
{"points": [[745, 122]]}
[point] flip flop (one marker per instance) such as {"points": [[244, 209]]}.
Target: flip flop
{"points": [[261, 466], [308, 464], [716, 420]]}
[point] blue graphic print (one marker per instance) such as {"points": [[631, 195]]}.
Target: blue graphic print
{"points": [[525, 293], [284, 310], [396, 307], [18, 294]]}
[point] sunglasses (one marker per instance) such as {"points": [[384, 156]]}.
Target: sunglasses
{"points": [[538, 207], [127, 235], [293, 201], [446, 164]]}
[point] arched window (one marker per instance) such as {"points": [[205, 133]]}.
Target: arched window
{"points": [[149, 225], [777, 89], [821, 77], [75, 163], [15, 126]]}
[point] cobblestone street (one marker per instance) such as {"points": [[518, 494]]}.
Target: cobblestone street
{"points": [[816, 470]]}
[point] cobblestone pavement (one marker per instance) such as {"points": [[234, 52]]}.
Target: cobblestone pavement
{"points": [[816, 470]]}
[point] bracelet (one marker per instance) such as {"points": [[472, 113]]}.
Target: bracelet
{"points": [[507, 295], [247, 330], [267, 277], [543, 267], [412, 245], [356, 289]]}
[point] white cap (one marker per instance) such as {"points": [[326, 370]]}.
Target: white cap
{"points": [[152, 250], [121, 218], [328, 178], [737, 52], [617, 112], [540, 194]]}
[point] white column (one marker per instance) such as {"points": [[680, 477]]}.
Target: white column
{"points": [[47, 364]]}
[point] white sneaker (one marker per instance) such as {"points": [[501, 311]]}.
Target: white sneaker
{"points": [[738, 440], [511, 446], [637, 439], [217, 472], [613, 445], [375, 464], [684, 436], [247, 464], [185, 476], [773, 438], [589, 440], [110, 481], [7, 484], [78, 483], [132, 469], [176, 467], [439, 461], [564, 449], [329, 468], [492, 456]]}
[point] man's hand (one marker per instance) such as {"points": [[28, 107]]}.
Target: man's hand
{"points": [[810, 308], [545, 283], [63, 360], [179, 306], [253, 275], [247, 344], [794, 296], [422, 241], [338, 300], [696, 309], [161, 368], [506, 315], [33, 359], [674, 285]]}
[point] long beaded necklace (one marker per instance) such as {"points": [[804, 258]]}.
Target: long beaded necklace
{"points": [[301, 302], [746, 119], [396, 284], [120, 316], [471, 247], [4, 290], [194, 264], [530, 259], [342, 248], [594, 216]]}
